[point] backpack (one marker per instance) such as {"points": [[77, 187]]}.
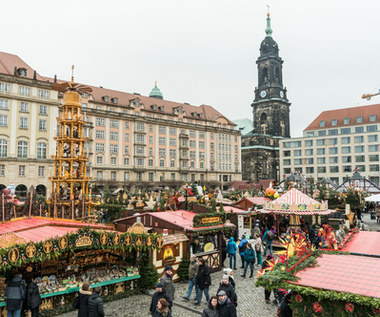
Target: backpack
{"points": [[270, 236], [243, 247]]}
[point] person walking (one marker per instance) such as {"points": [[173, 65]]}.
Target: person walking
{"points": [[231, 249], [162, 309], [242, 247], [160, 293], [211, 308], [81, 301], [95, 303], [15, 293], [167, 282], [228, 288], [193, 271], [33, 298], [258, 245], [225, 306], [249, 260], [203, 281], [230, 274], [268, 240]]}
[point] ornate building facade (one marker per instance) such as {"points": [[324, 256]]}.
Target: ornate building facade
{"points": [[260, 147], [133, 139]]}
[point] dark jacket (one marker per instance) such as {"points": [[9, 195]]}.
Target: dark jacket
{"points": [[83, 303], [156, 297], [167, 313], [167, 281], [95, 306], [210, 311], [230, 291], [33, 298], [15, 293], [249, 255], [203, 277], [231, 280], [227, 309]]}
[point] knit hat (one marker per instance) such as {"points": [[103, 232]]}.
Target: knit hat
{"points": [[228, 271], [167, 268], [159, 285], [221, 293], [225, 277]]}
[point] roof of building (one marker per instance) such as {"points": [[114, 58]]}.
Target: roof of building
{"points": [[340, 273], [8, 62], [156, 92], [244, 125], [40, 229], [364, 243], [181, 218], [346, 113]]}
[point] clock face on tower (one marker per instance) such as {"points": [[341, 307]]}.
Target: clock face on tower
{"points": [[281, 94], [263, 93]]}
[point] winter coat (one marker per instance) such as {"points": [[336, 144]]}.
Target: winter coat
{"points": [[227, 309], [210, 311], [230, 291], [203, 277], [231, 246], [241, 245], [156, 297], [166, 313], [33, 298], [231, 280], [167, 282], [95, 306], [15, 293], [249, 255], [83, 303], [193, 269]]}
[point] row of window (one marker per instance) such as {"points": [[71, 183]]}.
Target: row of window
{"points": [[359, 119], [22, 170], [25, 91], [334, 150], [334, 169], [344, 140], [139, 176], [368, 128], [23, 123], [22, 149], [332, 160]]}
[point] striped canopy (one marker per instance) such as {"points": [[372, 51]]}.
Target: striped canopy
{"points": [[297, 203]]}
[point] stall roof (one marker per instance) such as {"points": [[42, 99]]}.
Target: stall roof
{"points": [[364, 243], [340, 273], [181, 218], [40, 229], [175, 238], [235, 210]]}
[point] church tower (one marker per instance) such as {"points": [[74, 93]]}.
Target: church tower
{"points": [[270, 106], [260, 147]]}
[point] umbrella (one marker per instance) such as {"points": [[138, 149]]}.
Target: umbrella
{"points": [[373, 198]]}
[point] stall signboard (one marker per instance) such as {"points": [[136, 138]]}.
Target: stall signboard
{"points": [[83, 241], [210, 220], [165, 232], [168, 256]]}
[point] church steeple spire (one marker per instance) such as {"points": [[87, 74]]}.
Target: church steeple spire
{"points": [[268, 30]]}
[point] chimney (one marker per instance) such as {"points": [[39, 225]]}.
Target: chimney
{"points": [[15, 71], [34, 75], [55, 78]]}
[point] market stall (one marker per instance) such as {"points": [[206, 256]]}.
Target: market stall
{"points": [[204, 233], [62, 255], [244, 220]]}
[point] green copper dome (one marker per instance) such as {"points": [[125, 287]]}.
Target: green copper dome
{"points": [[156, 93]]}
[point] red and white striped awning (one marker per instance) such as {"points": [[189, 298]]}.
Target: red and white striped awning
{"points": [[295, 197], [298, 212]]}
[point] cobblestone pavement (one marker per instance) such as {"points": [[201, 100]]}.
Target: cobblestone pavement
{"points": [[250, 299]]}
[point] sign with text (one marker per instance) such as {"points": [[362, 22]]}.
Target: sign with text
{"points": [[210, 220]]}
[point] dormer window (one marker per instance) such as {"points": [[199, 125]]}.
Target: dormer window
{"points": [[372, 118], [154, 107], [346, 120], [322, 124], [84, 95], [160, 108], [180, 110], [137, 102], [114, 100], [21, 72], [334, 122], [199, 115], [106, 98]]}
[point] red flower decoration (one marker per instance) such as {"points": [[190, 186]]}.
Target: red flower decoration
{"points": [[299, 298], [350, 307], [317, 308], [376, 311]]}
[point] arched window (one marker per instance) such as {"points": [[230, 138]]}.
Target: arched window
{"points": [[22, 149], [21, 190], [265, 74], [41, 150], [3, 148], [278, 75], [263, 123]]}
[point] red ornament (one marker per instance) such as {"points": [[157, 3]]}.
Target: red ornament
{"points": [[376, 311], [317, 308], [299, 298], [350, 307]]}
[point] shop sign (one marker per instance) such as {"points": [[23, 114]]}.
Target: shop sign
{"points": [[84, 241], [210, 220], [165, 232], [209, 247], [168, 256]]}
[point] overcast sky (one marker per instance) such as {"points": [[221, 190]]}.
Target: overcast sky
{"points": [[204, 51]]}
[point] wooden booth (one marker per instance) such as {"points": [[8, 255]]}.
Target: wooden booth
{"points": [[203, 235], [244, 220]]}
